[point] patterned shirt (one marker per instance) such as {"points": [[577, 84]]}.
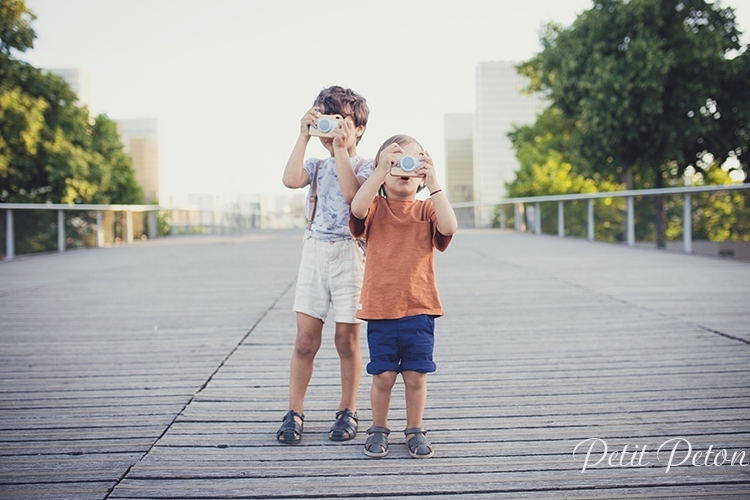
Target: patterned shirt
{"points": [[331, 222]]}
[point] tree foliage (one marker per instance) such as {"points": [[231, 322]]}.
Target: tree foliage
{"points": [[640, 91], [650, 84], [51, 150], [547, 168]]}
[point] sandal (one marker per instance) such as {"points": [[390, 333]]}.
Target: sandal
{"points": [[290, 431], [418, 446], [345, 426], [376, 444]]}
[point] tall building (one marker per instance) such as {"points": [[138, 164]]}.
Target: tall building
{"points": [[141, 140], [501, 104], [459, 163], [78, 80]]}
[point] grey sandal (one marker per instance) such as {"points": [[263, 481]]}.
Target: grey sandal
{"points": [[418, 446], [290, 431], [376, 445]]}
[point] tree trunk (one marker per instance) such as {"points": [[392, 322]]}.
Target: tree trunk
{"points": [[660, 216]]}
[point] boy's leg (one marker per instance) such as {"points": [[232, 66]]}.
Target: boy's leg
{"points": [[416, 397], [380, 397], [309, 336], [347, 345]]}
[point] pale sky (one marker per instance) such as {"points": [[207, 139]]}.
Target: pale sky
{"points": [[229, 80]]}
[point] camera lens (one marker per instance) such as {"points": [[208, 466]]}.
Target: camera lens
{"points": [[325, 125], [408, 163]]}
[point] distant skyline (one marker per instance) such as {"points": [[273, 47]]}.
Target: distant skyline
{"points": [[229, 80]]}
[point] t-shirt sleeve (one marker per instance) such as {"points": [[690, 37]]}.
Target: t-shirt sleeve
{"points": [[309, 167], [439, 240], [358, 227], [365, 170]]}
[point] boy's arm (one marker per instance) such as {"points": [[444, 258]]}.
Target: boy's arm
{"points": [[447, 224], [295, 175], [344, 146], [348, 181], [446, 217], [363, 199]]}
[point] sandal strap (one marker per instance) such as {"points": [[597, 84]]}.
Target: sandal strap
{"points": [[293, 414], [382, 430], [414, 430], [346, 412]]}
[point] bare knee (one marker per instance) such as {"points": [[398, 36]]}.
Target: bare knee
{"points": [[383, 382], [414, 381], [347, 340], [307, 344]]}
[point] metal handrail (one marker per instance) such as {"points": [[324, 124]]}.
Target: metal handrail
{"points": [[90, 207], [605, 194], [629, 195]]}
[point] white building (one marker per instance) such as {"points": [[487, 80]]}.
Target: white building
{"points": [[141, 140], [501, 104], [78, 80]]}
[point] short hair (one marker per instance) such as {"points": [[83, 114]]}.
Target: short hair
{"points": [[337, 100]]}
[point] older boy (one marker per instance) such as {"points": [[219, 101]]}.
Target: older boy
{"points": [[332, 263]]}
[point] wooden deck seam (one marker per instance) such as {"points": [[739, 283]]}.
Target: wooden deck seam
{"points": [[258, 321]]}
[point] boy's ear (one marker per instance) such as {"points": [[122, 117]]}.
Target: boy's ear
{"points": [[360, 130]]}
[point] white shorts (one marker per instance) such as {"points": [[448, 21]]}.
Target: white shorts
{"points": [[330, 274]]}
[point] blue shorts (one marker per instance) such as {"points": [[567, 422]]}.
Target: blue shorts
{"points": [[398, 345]]}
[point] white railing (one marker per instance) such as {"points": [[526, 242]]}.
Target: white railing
{"points": [[128, 210], [180, 221], [629, 195]]}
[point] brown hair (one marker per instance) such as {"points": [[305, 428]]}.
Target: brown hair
{"points": [[345, 102], [401, 140]]}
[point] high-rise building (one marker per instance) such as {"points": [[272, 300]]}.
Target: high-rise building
{"points": [[78, 80], [141, 140], [501, 104], [459, 163]]}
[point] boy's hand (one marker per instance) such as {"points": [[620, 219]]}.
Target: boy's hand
{"points": [[427, 170], [345, 134], [309, 119], [389, 158]]}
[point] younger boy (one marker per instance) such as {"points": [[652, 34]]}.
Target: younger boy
{"points": [[331, 267], [400, 297]]}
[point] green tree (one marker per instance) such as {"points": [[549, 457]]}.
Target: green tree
{"points": [[650, 86], [547, 168], [50, 149]]}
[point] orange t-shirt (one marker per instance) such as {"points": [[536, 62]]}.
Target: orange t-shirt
{"points": [[399, 277]]}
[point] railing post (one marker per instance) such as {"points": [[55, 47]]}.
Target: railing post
{"points": [[560, 220], [538, 219], [152, 224], [630, 223], [60, 232], [519, 215], [590, 220], [10, 243], [687, 225], [99, 230], [129, 226]]}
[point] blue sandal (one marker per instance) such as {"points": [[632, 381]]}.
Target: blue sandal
{"points": [[376, 444], [345, 426], [290, 431], [418, 446]]}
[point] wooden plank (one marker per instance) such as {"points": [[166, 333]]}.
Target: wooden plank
{"points": [[545, 343]]}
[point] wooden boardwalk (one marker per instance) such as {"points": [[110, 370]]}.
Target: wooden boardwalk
{"points": [[159, 370]]}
